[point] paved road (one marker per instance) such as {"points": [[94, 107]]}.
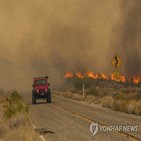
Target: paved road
{"points": [[68, 120]]}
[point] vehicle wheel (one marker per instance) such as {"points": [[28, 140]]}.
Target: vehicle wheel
{"points": [[49, 97], [33, 99]]}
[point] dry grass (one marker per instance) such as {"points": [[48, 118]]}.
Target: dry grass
{"points": [[119, 102], [73, 96], [16, 127], [131, 106], [122, 105], [80, 97], [92, 99], [137, 110], [107, 101], [24, 132]]}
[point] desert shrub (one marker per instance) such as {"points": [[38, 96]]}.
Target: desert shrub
{"points": [[92, 91], [118, 99], [78, 97], [17, 126], [138, 95], [3, 130], [67, 94], [128, 90], [107, 101], [90, 98], [120, 96], [14, 105], [24, 132], [137, 109], [123, 105], [131, 106], [78, 84], [74, 96]]}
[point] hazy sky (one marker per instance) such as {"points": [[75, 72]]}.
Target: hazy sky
{"points": [[49, 37]]}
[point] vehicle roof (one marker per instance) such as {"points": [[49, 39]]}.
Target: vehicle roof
{"points": [[45, 77]]}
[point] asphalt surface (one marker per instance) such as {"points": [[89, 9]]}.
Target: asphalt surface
{"points": [[69, 120]]}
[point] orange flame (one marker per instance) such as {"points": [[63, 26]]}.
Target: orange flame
{"points": [[104, 76], [136, 79], [123, 78], [69, 75], [112, 77], [79, 75], [90, 74]]}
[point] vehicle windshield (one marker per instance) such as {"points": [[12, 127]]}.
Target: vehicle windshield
{"points": [[40, 82]]}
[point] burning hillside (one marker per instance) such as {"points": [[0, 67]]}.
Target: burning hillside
{"points": [[136, 79]]}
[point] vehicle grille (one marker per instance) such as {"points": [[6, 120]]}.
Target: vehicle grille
{"points": [[41, 91]]}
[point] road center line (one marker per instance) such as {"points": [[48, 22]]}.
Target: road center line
{"points": [[131, 137]]}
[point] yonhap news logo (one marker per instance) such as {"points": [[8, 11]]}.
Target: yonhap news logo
{"points": [[95, 128]]}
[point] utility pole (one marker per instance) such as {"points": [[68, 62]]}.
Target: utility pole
{"points": [[83, 90]]}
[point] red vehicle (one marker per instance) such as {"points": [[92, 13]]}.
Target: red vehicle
{"points": [[41, 89]]}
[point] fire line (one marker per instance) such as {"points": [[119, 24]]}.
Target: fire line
{"points": [[135, 79]]}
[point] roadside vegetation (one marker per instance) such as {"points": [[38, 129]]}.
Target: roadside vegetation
{"points": [[117, 96], [122, 103], [14, 122]]}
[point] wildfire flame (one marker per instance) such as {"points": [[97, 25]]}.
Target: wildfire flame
{"points": [[69, 75], [135, 79], [104, 76], [92, 75], [79, 75]]}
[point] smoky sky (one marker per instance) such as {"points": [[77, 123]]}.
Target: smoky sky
{"points": [[50, 37], [127, 35]]}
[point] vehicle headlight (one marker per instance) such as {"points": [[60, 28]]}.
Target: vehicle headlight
{"points": [[37, 90]]}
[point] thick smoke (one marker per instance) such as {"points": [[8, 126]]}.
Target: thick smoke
{"points": [[127, 34], [49, 37]]}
